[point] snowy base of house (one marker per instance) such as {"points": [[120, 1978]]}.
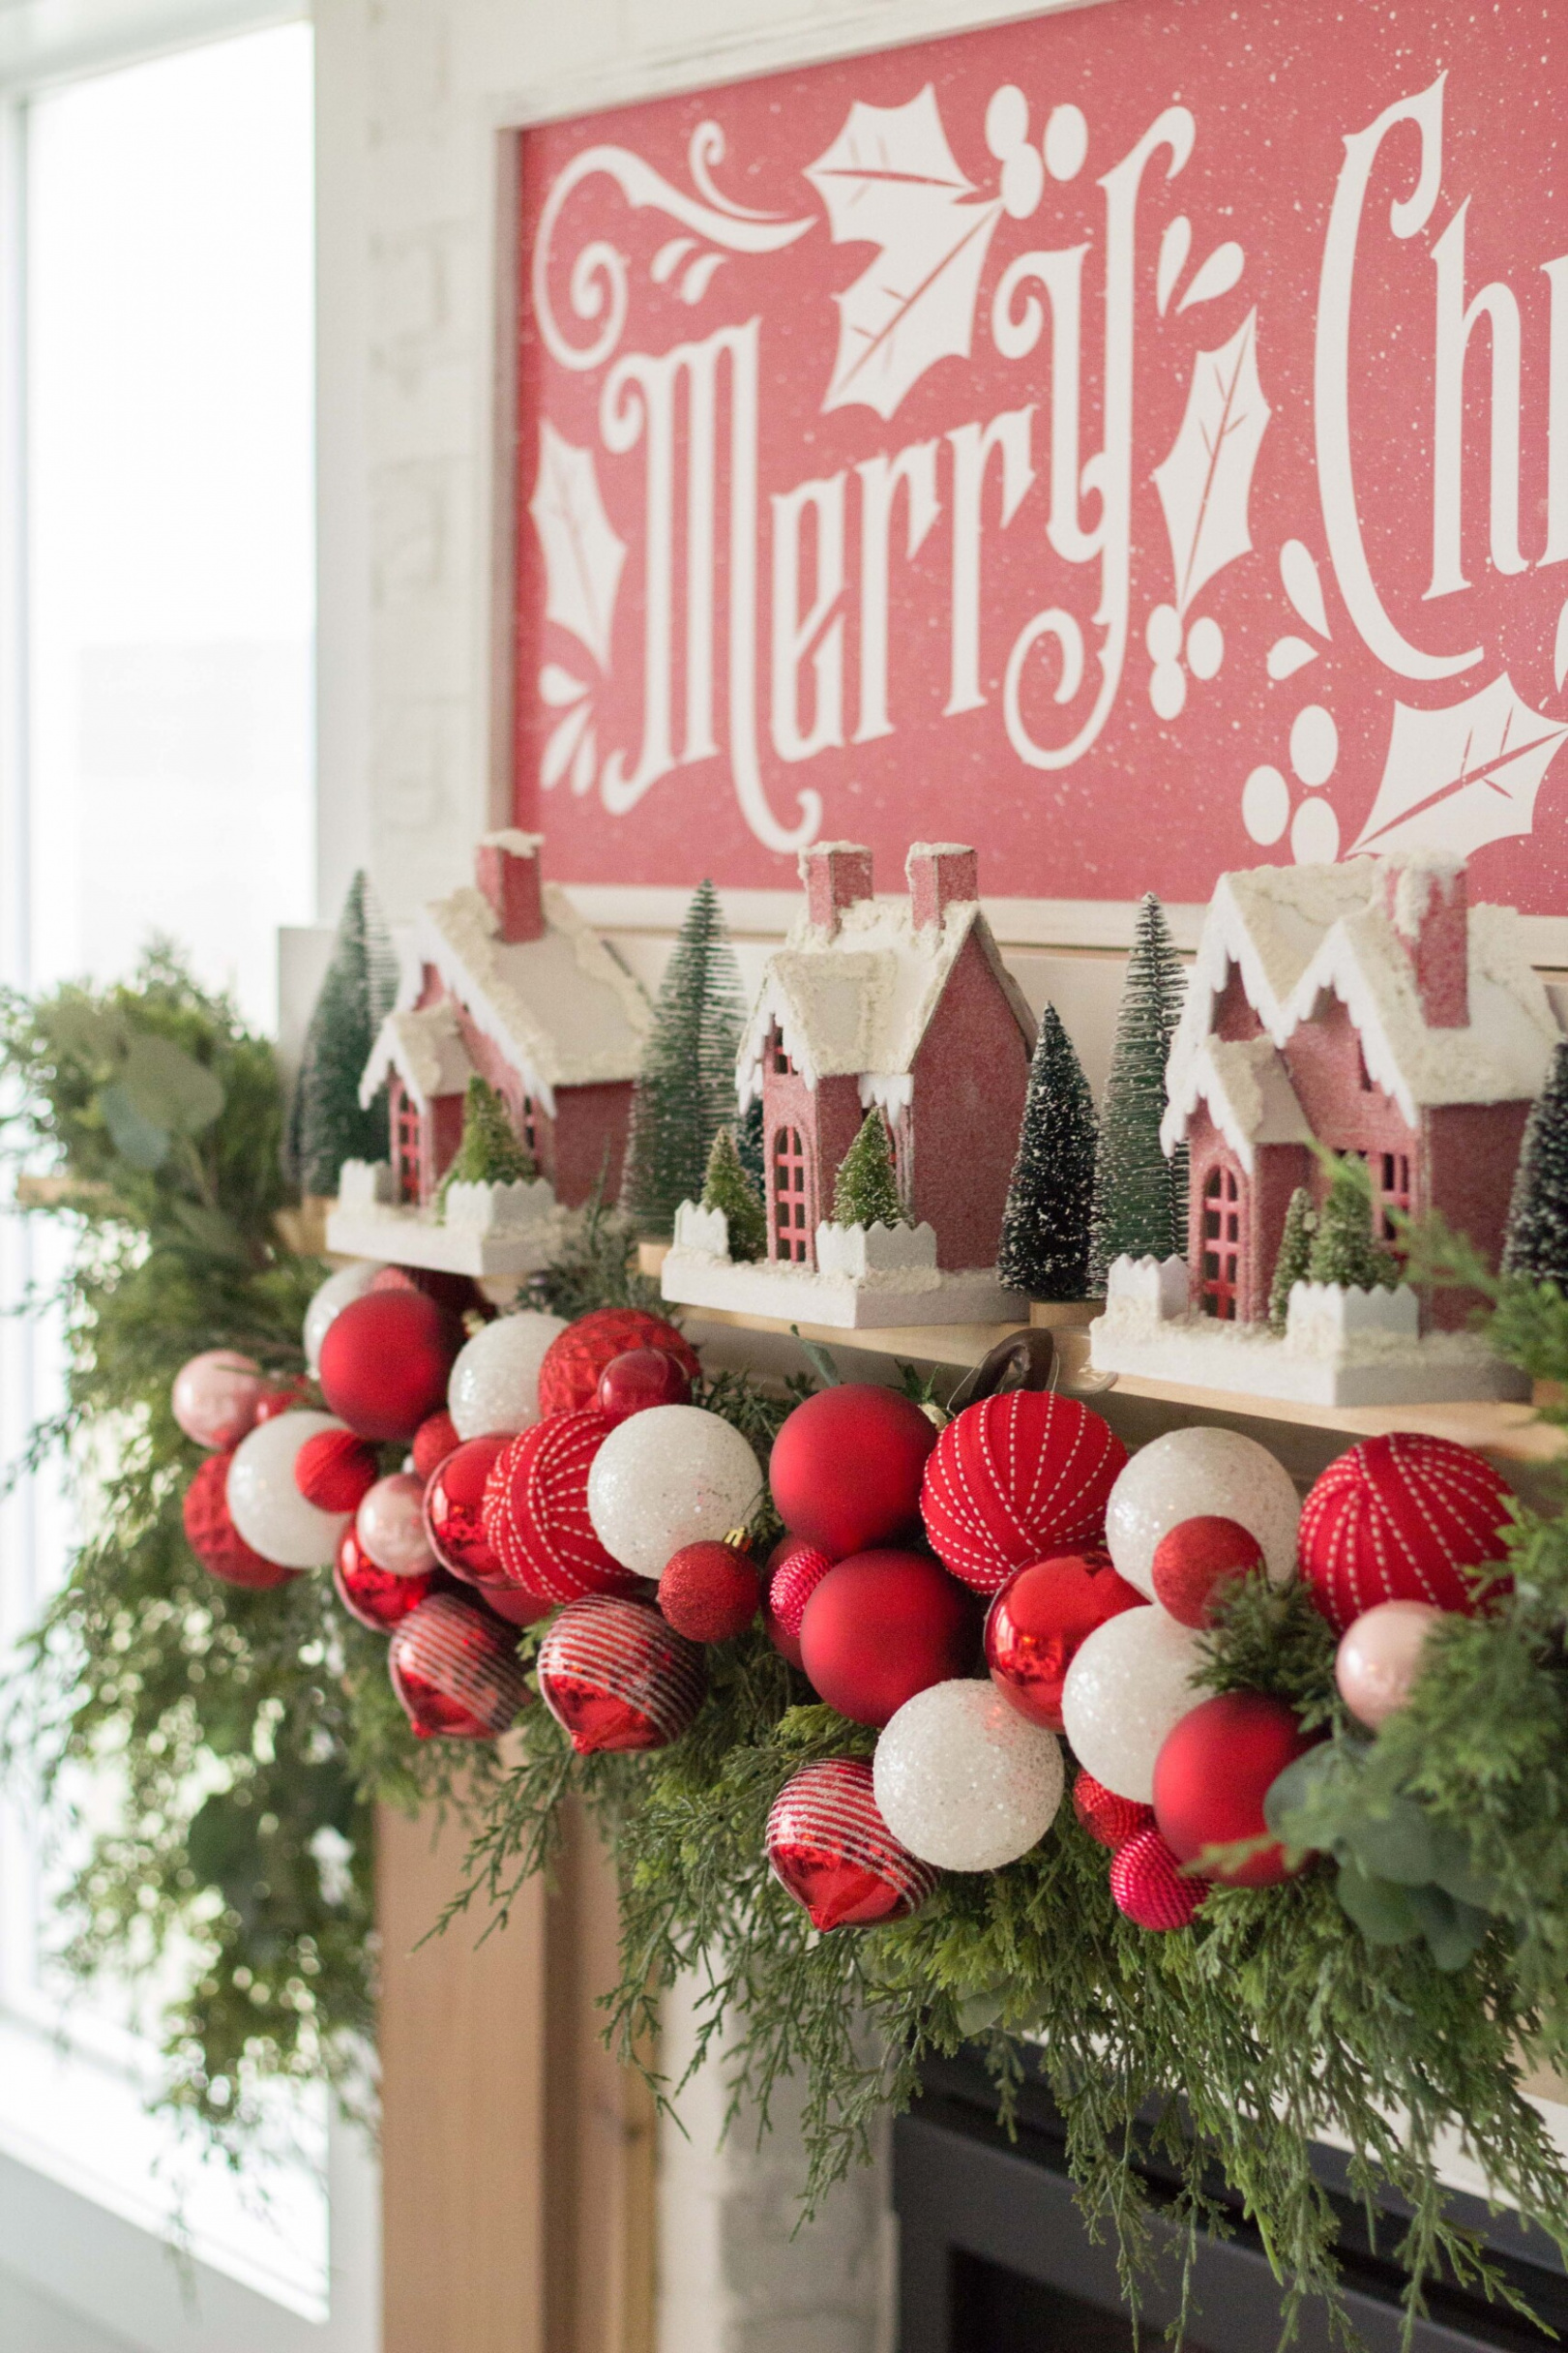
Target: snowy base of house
{"points": [[488, 1229], [864, 1279]]}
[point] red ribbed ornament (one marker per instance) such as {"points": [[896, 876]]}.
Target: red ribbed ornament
{"points": [[795, 1580], [374, 1596], [535, 1511], [336, 1471], [433, 1441], [454, 1511], [828, 1845], [1147, 1884], [1014, 1478], [1110, 1821], [214, 1538], [1401, 1518], [573, 1361], [456, 1671], [614, 1675]]}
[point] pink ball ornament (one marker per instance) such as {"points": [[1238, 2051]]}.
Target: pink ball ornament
{"points": [[216, 1395], [1379, 1658], [391, 1526]]}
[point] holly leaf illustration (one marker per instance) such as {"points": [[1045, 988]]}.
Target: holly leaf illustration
{"points": [[1205, 483], [1461, 777], [890, 180], [583, 555]]}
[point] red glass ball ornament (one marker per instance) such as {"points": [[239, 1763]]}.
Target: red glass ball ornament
{"points": [[510, 1602], [535, 1511], [454, 1511], [1035, 1624], [1212, 1774], [455, 1668], [214, 1538], [799, 1573], [881, 1626], [1147, 1884], [1110, 1821], [433, 1441], [575, 1360], [1401, 1518], [710, 1592], [336, 1471], [1017, 1478], [828, 1846], [642, 1376], [614, 1675], [1195, 1560], [786, 1645], [846, 1465], [385, 1362], [374, 1596]]}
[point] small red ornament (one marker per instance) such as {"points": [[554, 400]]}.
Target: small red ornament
{"points": [[709, 1593], [214, 1538], [881, 1626], [1017, 1478], [282, 1401], [535, 1511], [385, 1362], [336, 1471], [845, 1467], [454, 1511], [1034, 1626], [433, 1441], [1195, 1560], [1401, 1518], [1147, 1884], [615, 1676], [455, 1669], [1110, 1821], [828, 1846], [642, 1378], [786, 1645], [374, 1596], [1212, 1774], [510, 1602], [800, 1571], [575, 1358]]}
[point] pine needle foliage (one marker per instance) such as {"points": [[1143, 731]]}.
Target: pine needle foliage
{"points": [[864, 1189], [728, 1187], [1139, 1206], [1537, 1238], [1343, 1249], [686, 1089], [1293, 1262], [1044, 1244], [490, 1150], [327, 1124]]}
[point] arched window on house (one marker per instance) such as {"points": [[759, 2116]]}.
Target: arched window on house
{"points": [[791, 1234]]}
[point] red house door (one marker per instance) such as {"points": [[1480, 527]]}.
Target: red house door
{"points": [[791, 1229], [1222, 1243]]}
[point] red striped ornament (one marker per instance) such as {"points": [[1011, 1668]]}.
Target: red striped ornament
{"points": [[456, 1671], [1014, 1479], [535, 1511], [1401, 1518], [614, 1675], [829, 1847], [1147, 1884]]}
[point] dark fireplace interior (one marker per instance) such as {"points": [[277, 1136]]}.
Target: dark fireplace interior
{"points": [[994, 2257]]}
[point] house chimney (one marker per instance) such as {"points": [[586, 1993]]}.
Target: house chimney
{"points": [[506, 868], [1425, 894], [941, 875], [836, 874]]}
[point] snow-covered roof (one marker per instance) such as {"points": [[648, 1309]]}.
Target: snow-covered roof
{"points": [[427, 1051], [1249, 1094], [856, 1002], [1294, 933]]}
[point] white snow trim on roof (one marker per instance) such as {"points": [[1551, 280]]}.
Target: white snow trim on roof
{"points": [[516, 844], [1249, 1094], [425, 1051]]}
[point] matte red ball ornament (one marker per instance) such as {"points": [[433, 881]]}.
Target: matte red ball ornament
{"points": [[640, 1378], [385, 1362], [1110, 1821], [510, 1602], [710, 1592], [799, 1573], [1212, 1774], [615, 1676], [433, 1441], [336, 1471], [214, 1538], [829, 1847], [1147, 1884], [374, 1596], [535, 1511], [881, 1626], [1017, 1478], [454, 1511], [846, 1466], [1035, 1624], [1195, 1561], [575, 1360], [455, 1669], [1401, 1518]]}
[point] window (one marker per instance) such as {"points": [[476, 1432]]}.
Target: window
{"points": [[407, 1132], [530, 1128], [1222, 1243], [783, 1067], [1393, 1193], [791, 1232]]}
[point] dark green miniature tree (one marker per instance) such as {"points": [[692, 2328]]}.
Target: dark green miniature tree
{"points": [[1536, 1243], [1044, 1244], [1344, 1248], [490, 1151], [1140, 1196], [1294, 1257], [728, 1187], [686, 1091], [865, 1190], [327, 1124]]}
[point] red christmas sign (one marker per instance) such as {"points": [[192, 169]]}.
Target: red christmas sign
{"points": [[1135, 441]]}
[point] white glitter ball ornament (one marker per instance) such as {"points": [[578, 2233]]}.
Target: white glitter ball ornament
{"points": [[670, 1475], [494, 1384], [1129, 1684], [963, 1782], [1191, 1475], [350, 1282], [266, 1506]]}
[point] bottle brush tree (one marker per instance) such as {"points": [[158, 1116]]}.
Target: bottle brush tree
{"points": [[865, 1190], [1345, 1249], [1536, 1243], [1045, 1245], [327, 1123], [686, 1089], [1294, 1257], [727, 1187], [1140, 1196], [490, 1151]]}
